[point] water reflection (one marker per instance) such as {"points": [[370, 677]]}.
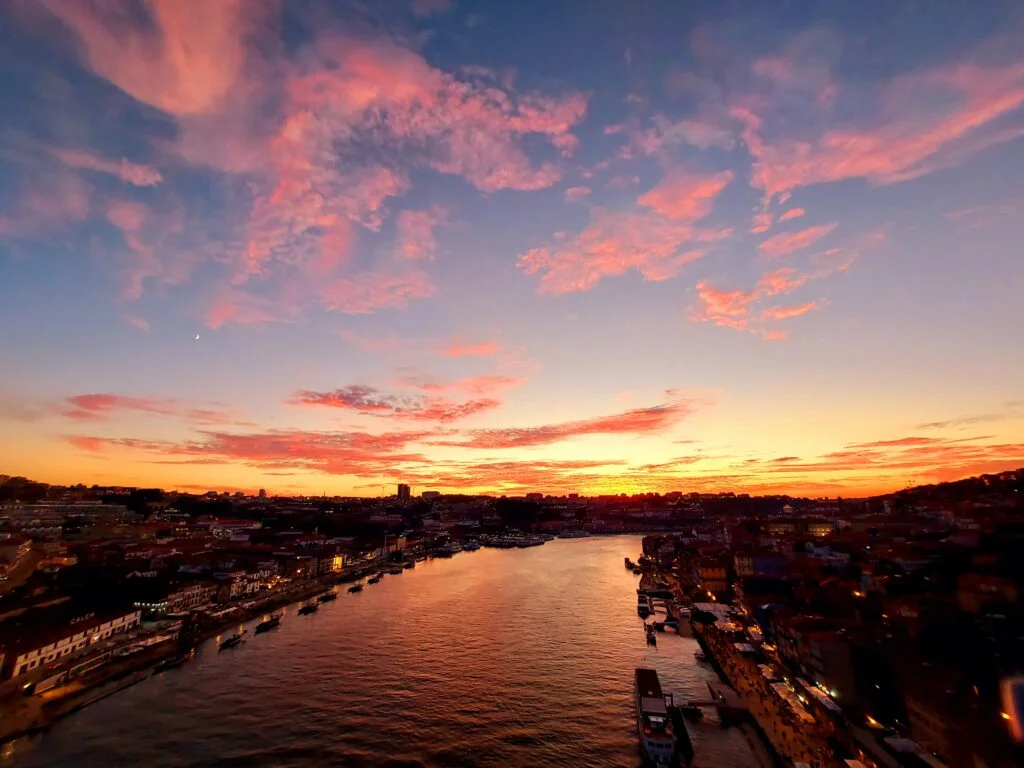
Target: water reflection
{"points": [[490, 658]]}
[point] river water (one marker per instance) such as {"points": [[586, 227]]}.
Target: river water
{"points": [[491, 658]]}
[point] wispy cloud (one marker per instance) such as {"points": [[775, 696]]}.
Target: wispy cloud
{"points": [[787, 242], [373, 402]]}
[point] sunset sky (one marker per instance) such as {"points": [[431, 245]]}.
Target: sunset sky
{"points": [[511, 246]]}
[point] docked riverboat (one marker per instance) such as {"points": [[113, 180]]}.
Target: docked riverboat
{"points": [[654, 726]]}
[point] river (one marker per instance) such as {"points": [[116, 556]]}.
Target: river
{"points": [[491, 658]]}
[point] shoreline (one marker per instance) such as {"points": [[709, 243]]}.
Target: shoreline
{"points": [[27, 716]]}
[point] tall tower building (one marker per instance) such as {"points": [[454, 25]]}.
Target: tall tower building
{"points": [[404, 492]]}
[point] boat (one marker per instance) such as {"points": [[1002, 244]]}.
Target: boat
{"points": [[232, 641], [396, 570], [629, 564], [173, 662], [308, 608], [652, 637], [375, 578], [574, 534], [271, 622], [326, 597], [699, 655], [637, 571], [409, 564], [643, 605], [448, 550], [356, 588], [471, 546], [657, 736]]}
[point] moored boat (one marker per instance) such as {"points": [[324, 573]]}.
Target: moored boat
{"points": [[657, 737], [308, 608], [409, 564], [643, 605], [356, 588], [232, 641], [270, 622], [375, 578], [629, 564], [396, 570], [471, 546], [173, 662], [326, 597], [652, 637]]}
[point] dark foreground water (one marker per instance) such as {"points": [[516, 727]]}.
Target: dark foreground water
{"points": [[492, 658]]}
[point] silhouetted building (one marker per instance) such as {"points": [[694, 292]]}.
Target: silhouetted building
{"points": [[404, 492], [263, 493]]}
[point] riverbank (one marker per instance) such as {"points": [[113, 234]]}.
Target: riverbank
{"points": [[791, 740], [25, 715]]}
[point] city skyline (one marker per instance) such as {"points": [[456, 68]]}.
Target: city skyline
{"points": [[325, 249]]}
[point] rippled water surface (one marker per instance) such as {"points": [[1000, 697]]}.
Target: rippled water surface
{"points": [[492, 658]]}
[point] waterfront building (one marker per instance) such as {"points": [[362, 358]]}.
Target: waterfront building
{"points": [[41, 638]]}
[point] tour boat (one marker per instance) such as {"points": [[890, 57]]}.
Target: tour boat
{"points": [[375, 578], [308, 608], [652, 637], [470, 546], [409, 564], [326, 597], [356, 588], [395, 570], [654, 726], [272, 621]]}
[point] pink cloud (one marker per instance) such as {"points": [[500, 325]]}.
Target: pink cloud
{"points": [[480, 385], [924, 121], [657, 244], [185, 61], [788, 242], [390, 343], [139, 322], [792, 213], [614, 243], [726, 308], [572, 194], [682, 196], [784, 313], [132, 173], [422, 8], [238, 307], [104, 406], [478, 349], [416, 233], [762, 222], [368, 292], [371, 401], [638, 421]]}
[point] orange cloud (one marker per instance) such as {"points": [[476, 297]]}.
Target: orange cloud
{"points": [[792, 213], [788, 242], [132, 173]]}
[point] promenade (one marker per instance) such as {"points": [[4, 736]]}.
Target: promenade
{"points": [[792, 738]]}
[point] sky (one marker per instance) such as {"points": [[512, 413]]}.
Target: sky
{"points": [[601, 247]]}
